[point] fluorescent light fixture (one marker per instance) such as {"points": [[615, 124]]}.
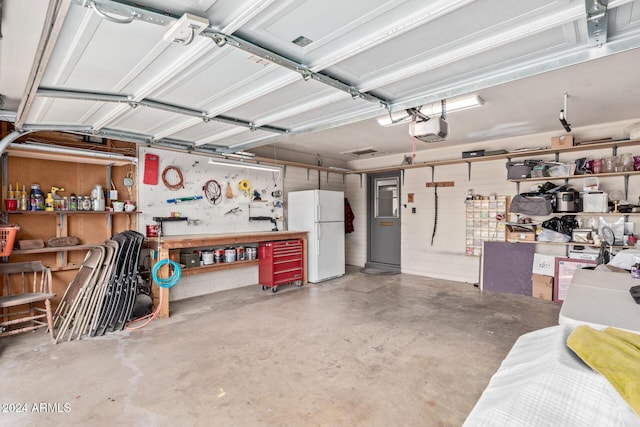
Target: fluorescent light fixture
{"points": [[241, 164], [433, 109], [72, 152]]}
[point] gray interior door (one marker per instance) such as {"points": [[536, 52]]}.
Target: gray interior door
{"points": [[384, 221]]}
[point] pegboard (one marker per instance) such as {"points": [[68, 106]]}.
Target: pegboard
{"points": [[228, 215]]}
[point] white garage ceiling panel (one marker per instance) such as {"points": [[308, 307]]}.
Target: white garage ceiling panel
{"points": [[238, 74]]}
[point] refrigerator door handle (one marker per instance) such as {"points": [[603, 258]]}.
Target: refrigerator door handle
{"points": [[318, 237], [317, 212]]}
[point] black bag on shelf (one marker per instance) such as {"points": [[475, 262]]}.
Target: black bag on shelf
{"points": [[535, 204], [564, 224], [521, 169]]}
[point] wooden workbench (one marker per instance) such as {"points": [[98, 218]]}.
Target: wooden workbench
{"points": [[167, 243]]}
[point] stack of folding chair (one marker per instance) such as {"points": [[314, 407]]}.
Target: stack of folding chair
{"points": [[102, 294]]}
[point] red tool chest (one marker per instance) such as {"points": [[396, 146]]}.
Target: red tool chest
{"points": [[280, 262]]}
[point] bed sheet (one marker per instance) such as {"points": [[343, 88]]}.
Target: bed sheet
{"points": [[542, 382]]}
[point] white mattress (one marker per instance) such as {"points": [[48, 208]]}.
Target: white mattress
{"points": [[542, 382]]}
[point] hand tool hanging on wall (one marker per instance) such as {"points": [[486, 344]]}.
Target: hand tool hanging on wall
{"points": [[435, 186], [184, 199], [233, 211], [229, 193]]}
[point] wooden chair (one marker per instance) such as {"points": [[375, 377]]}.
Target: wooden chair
{"points": [[24, 285]]}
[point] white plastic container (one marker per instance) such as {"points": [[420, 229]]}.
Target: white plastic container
{"points": [[595, 202], [207, 257], [591, 184]]}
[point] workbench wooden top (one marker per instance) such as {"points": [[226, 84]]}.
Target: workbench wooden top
{"points": [[197, 240]]}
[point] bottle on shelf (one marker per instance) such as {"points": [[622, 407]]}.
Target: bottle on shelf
{"points": [[36, 198], [57, 200], [24, 199], [49, 203]]}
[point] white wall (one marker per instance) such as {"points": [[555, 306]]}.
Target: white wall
{"points": [[446, 258]]}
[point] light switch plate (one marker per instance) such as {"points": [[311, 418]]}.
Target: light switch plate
{"points": [[128, 182]]}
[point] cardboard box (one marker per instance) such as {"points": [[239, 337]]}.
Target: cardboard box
{"points": [[174, 255], [524, 237], [562, 141], [542, 287]]}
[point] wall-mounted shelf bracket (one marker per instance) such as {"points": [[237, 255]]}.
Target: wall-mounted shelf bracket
{"points": [[626, 187], [162, 219]]}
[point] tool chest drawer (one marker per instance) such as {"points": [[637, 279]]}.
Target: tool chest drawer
{"points": [[280, 262]]}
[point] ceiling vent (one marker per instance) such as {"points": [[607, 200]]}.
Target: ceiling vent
{"points": [[369, 151], [302, 41]]}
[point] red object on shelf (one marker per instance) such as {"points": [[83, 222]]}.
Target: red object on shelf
{"points": [[7, 237], [279, 263]]}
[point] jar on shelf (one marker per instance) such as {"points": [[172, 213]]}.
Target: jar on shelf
{"points": [[609, 164], [86, 203], [627, 162]]}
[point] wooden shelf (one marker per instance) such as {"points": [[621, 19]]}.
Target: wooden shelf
{"points": [[68, 267], [218, 267], [68, 212], [221, 239], [592, 245], [53, 249], [599, 175], [512, 155]]}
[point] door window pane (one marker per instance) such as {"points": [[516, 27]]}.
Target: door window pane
{"points": [[387, 197]]}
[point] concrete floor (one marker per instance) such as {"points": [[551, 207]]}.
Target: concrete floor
{"points": [[361, 350]]}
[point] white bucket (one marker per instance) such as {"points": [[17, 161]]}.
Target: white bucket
{"points": [[251, 252], [207, 257], [230, 255]]}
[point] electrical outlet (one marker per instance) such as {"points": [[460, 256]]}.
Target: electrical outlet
{"points": [[413, 210], [128, 182]]}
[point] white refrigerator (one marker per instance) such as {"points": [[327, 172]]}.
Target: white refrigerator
{"points": [[321, 214]]}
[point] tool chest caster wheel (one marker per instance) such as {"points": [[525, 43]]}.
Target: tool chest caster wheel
{"points": [[264, 288], [274, 289]]}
